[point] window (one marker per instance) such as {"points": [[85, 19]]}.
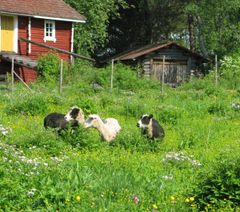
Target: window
{"points": [[49, 31]]}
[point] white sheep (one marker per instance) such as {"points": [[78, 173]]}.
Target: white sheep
{"points": [[108, 128]]}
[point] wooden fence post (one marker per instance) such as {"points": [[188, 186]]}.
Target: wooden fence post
{"points": [[61, 77], [163, 71], [216, 70], [111, 86], [12, 74]]}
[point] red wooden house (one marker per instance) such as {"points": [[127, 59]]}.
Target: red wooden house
{"points": [[48, 22]]}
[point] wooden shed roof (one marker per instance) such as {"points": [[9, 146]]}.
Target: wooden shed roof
{"points": [[48, 9], [142, 51]]}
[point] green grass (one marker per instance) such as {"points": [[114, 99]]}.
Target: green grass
{"points": [[40, 170]]}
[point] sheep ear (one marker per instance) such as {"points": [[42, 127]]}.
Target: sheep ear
{"points": [[151, 116]]}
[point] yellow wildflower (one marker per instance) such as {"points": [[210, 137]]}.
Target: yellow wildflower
{"points": [[193, 205], [173, 199], [78, 198], [155, 206], [67, 201], [187, 200], [191, 199]]}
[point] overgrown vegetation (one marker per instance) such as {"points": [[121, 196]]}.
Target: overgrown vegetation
{"points": [[195, 167]]}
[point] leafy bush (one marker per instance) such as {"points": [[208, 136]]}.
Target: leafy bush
{"points": [[47, 141], [230, 68], [136, 142], [220, 187], [169, 116], [134, 109], [79, 138], [126, 78], [217, 108], [49, 66], [195, 84], [29, 105], [211, 90]]}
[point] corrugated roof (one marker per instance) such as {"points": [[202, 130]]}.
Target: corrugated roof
{"points": [[135, 53], [47, 8]]}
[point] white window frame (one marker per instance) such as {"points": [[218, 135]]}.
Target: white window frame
{"points": [[53, 37]]}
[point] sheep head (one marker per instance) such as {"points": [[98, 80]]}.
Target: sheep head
{"points": [[92, 121], [144, 121], [75, 113]]}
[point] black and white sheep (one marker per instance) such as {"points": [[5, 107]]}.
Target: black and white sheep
{"points": [[151, 127], [108, 128], [60, 121]]}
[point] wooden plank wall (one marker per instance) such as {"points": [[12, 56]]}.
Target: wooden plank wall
{"points": [[27, 74], [181, 71], [63, 37], [22, 32], [63, 41]]}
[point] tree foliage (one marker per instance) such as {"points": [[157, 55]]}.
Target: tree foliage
{"points": [[230, 68], [207, 26], [216, 25], [93, 34], [147, 21]]}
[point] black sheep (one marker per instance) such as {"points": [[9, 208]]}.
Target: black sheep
{"points": [[73, 118], [151, 127], [58, 121]]}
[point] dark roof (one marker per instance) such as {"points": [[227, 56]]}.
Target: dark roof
{"points": [[142, 51], [56, 9]]}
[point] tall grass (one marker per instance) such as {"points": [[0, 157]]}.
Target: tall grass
{"points": [[76, 171]]}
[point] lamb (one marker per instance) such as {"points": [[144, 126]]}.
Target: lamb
{"points": [[60, 121], [108, 128], [75, 114], [151, 127], [55, 120]]}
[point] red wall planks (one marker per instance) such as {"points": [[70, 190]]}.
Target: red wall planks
{"points": [[22, 32], [63, 41], [63, 38], [27, 74]]}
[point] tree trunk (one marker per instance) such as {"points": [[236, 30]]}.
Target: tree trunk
{"points": [[201, 37], [191, 33]]}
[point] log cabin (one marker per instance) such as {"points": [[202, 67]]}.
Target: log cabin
{"points": [[170, 62], [26, 22]]}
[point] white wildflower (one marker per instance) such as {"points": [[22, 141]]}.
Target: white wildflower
{"points": [[167, 177], [31, 193], [4, 130], [236, 106], [179, 156]]}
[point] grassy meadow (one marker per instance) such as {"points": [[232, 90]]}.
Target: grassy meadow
{"points": [[195, 167]]}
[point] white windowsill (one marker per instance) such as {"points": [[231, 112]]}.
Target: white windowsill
{"points": [[49, 39]]}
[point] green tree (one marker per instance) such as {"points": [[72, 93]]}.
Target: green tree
{"points": [[93, 34], [148, 21], [216, 24]]}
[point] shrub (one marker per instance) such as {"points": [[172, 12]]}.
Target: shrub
{"points": [[29, 105], [133, 108], [169, 116], [230, 68], [220, 186], [217, 108], [136, 142], [79, 138], [48, 66], [126, 78]]}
